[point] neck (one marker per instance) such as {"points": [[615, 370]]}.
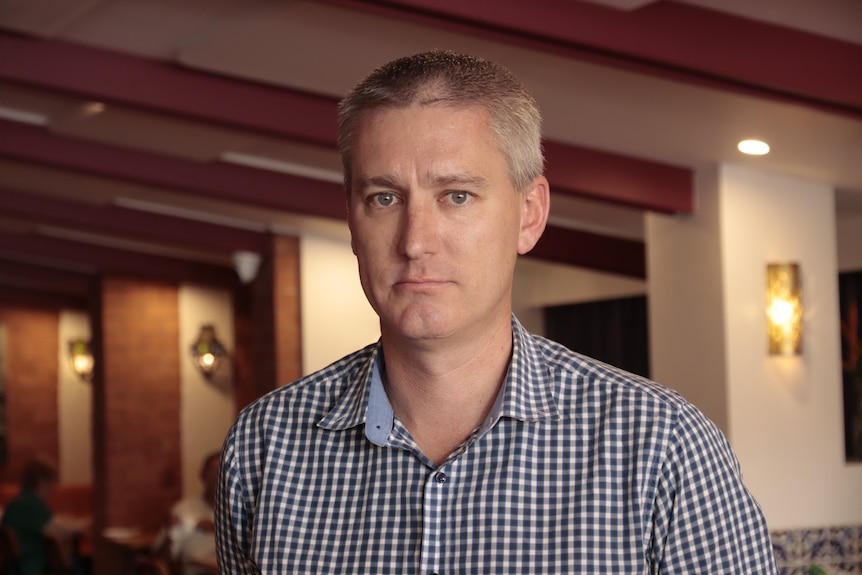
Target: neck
{"points": [[441, 392]]}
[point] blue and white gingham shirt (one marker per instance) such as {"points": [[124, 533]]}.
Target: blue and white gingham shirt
{"points": [[580, 468]]}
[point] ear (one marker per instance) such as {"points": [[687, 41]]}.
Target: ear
{"points": [[535, 205]]}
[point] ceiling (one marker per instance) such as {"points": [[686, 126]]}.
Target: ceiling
{"points": [[160, 137]]}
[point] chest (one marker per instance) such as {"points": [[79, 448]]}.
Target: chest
{"points": [[539, 506]]}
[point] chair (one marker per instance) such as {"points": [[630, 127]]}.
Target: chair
{"points": [[59, 560], [10, 552], [150, 565]]}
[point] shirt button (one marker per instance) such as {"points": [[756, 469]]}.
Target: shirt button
{"points": [[440, 478]]}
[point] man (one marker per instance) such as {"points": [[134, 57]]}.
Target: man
{"points": [[459, 443], [188, 541]]}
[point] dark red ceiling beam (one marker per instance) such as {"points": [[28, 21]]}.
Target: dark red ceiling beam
{"points": [[29, 276], [210, 180], [120, 78], [131, 223], [35, 145], [116, 261], [165, 88], [584, 249], [25, 297], [665, 38], [598, 175]]}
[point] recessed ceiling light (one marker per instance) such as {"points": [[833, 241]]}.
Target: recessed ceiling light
{"points": [[753, 147], [93, 109]]}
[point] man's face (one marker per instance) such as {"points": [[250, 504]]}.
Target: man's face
{"points": [[435, 222]]}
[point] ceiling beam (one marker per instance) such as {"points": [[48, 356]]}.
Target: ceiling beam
{"points": [[210, 180], [109, 260], [29, 276], [16, 296], [588, 250], [126, 222], [166, 88], [668, 39], [226, 182]]}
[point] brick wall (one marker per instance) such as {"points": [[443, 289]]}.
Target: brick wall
{"points": [[31, 387], [267, 323], [288, 327], [136, 411]]}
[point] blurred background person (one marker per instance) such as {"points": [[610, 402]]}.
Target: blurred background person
{"points": [[188, 541], [31, 520]]}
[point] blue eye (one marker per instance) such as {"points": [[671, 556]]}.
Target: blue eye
{"points": [[383, 199], [459, 197]]}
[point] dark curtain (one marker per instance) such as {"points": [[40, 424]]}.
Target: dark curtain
{"points": [[850, 298], [613, 331]]}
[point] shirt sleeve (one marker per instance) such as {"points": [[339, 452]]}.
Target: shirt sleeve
{"points": [[233, 516], [705, 520]]}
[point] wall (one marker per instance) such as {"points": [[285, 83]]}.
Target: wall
{"points": [[707, 274], [337, 318], [75, 398], [687, 336], [541, 284], [31, 386], [206, 405], [136, 406], [849, 227], [786, 412]]}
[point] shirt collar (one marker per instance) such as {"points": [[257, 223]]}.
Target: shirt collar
{"points": [[527, 393]]}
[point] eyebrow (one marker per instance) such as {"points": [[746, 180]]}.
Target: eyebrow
{"points": [[439, 181], [446, 180]]}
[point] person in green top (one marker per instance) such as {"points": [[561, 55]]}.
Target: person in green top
{"points": [[30, 518]]}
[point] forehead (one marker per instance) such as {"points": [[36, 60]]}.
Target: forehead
{"points": [[424, 135]]}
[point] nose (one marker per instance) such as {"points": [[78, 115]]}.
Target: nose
{"points": [[420, 230]]}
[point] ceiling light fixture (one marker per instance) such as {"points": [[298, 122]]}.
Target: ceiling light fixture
{"points": [[753, 147]]}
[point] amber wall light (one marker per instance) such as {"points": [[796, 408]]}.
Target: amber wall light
{"points": [[784, 308], [208, 352], [81, 359]]}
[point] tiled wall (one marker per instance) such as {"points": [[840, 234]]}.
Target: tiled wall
{"points": [[838, 550]]}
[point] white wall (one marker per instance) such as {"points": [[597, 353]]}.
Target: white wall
{"points": [[685, 303], [786, 412], [336, 317], [206, 407], [74, 404]]}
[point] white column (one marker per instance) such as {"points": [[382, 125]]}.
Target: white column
{"points": [[783, 414]]}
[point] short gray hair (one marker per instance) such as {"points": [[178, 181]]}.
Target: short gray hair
{"points": [[449, 78]]}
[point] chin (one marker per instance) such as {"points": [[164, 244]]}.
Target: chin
{"points": [[423, 325]]}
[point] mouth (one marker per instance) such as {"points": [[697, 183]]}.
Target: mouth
{"points": [[420, 283]]}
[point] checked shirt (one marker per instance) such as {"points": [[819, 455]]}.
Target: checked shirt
{"points": [[580, 468]]}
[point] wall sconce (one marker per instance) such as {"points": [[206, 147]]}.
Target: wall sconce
{"points": [[784, 309], [81, 359], [208, 351]]}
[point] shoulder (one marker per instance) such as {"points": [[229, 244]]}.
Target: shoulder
{"points": [[578, 377], [26, 506], [308, 399]]}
